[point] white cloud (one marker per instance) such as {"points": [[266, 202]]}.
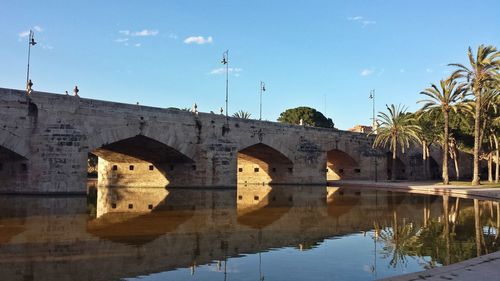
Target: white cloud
{"points": [[173, 35], [145, 32], [121, 40], [47, 47], [429, 70], [368, 22], [124, 32], [137, 44], [356, 18], [236, 71], [24, 34], [367, 72], [364, 22], [200, 40]]}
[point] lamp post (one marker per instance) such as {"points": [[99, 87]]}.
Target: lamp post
{"points": [[31, 42], [262, 89], [374, 129], [225, 61]]}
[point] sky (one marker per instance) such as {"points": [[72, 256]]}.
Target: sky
{"points": [[323, 54]]}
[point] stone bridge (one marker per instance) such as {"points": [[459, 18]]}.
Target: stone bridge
{"points": [[46, 140]]}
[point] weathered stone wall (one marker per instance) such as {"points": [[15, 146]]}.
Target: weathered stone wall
{"points": [[54, 133]]}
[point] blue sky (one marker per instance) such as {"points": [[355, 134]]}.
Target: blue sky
{"points": [[167, 53]]}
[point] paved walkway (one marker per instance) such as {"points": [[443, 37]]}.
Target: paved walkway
{"points": [[486, 267]]}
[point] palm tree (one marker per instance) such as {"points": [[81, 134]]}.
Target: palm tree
{"points": [[396, 129], [482, 70], [444, 99], [242, 114]]}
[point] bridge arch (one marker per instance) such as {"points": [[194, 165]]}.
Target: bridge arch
{"points": [[142, 161], [14, 164], [262, 164], [341, 165]]}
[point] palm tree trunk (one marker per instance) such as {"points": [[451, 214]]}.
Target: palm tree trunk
{"points": [[424, 159], [446, 179], [490, 166], [497, 152], [455, 161], [477, 144], [429, 172], [394, 153]]}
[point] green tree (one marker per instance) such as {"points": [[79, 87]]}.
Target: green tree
{"points": [[396, 129], [478, 75], [443, 99], [309, 116], [242, 114]]}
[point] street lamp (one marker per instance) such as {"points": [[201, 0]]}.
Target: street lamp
{"points": [[262, 89], [31, 42], [374, 129], [225, 61]]}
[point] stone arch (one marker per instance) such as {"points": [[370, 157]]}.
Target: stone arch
{"points": [[341, 165], [141, 161], [260, 163], [14, 170], [171, 138], [14, 143]]}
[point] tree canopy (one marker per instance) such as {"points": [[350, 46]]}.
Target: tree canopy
{"points": [[309, 116]]}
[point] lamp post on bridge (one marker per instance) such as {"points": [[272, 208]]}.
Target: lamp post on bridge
{"points": [[374, 129], [262, 89], [31, 42], [225, 61]]}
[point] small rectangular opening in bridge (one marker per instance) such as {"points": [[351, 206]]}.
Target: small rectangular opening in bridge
{"points": [[256, 170], [240, 170], [256, 197], [357, 171], [113, 205], [240, 197], [150, 206], [131, 167], [24, 167], [130, 206], [114, 168], [151, 167], [193, 167], [274, 170], [290, 170]]}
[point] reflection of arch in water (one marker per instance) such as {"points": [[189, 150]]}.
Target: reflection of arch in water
{"points": [[260, 206], [261, 163], [341, 165], [143, 161], [339, 203]]}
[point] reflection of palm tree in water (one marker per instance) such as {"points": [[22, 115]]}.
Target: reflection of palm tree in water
{"points": [[400, 241]]}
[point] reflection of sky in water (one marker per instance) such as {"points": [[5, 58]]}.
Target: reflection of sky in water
{"points": [[341, 258]]}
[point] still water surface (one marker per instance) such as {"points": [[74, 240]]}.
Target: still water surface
{"points": [[252, 233]]}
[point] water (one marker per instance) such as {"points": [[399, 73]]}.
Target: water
{"points": [[254, 233]]}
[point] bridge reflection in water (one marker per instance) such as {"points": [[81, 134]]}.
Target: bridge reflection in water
{"points": [[252, 231]]}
